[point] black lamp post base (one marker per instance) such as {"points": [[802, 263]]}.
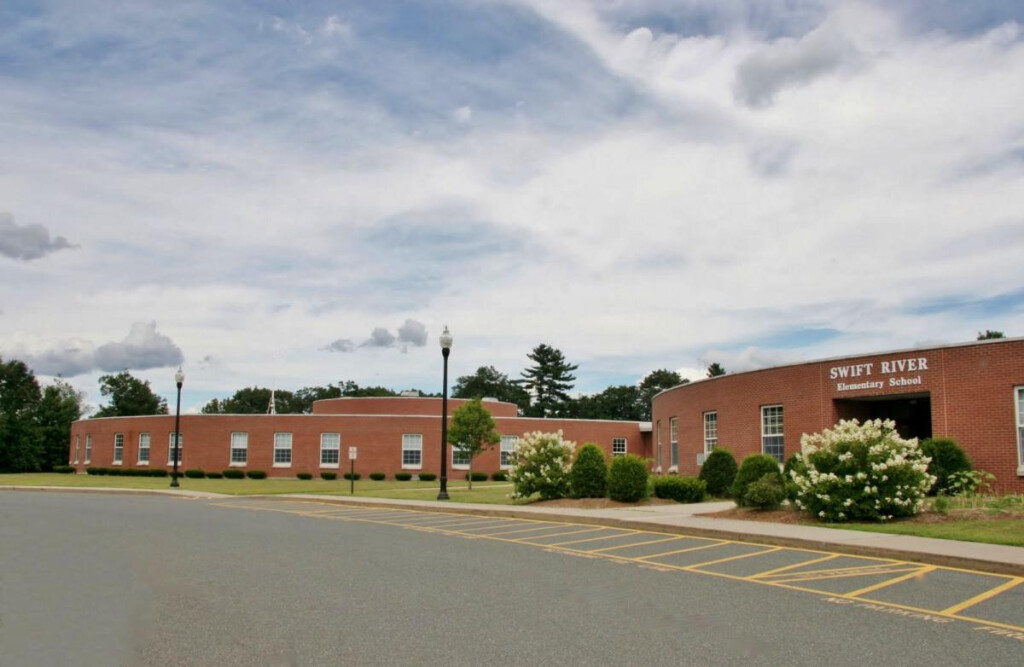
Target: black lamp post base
{"points": [[174, 481]]}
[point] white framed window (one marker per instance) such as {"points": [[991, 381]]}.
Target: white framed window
{"points": [[710, 431], [282, 450], [618, 446], [412, 450], [170, 448], [118, 448], [78, 445], [673, 441], [508, 450], [772, 439], [460, 457], [88, 449], [239, 449], [1019, 391], [330, 450], [659, 444], [143, 449]]}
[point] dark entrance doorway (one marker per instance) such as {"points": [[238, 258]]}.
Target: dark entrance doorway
{"points": [[911, 412]]}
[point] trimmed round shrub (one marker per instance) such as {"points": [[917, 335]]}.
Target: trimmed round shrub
{"points": [[352, 476], [377, 476], [95, 470], [627, 478], [425, 476], [233, 473], [794, 462], [862, 472], [114, 472], [679, 489], [947, 458], [404, 476], [499, 476], [329, 476], [477, 476], [64, 470], [213, 474], [766, 493], [304, 475], [256, 474], [195, 473], [541, 466], [588, 477], [158, 472], [718, 472], [753, 468]]}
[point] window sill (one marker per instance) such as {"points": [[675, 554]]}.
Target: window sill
{"points": [[460, 466], [236, 464], [412, 467], [282, 465], [332, 466], [1020, 471], [116, 463]]}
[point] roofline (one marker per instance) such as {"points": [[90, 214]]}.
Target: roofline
{"points": [[305, 415], [990, 341]]}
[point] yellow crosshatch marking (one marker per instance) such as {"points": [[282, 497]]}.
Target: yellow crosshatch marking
{"points": [[787, 576]]}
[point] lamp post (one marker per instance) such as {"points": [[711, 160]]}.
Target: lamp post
{"points": [[446, 347], [179, 379]]}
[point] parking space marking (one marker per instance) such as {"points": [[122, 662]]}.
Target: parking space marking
{"points": [[694, 566], [594, 539], [785, 568], [889, 582], [634, 544], [981, 597]]}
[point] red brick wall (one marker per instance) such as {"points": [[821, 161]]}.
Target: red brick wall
{"points": [[402, 405], [971, 388]]}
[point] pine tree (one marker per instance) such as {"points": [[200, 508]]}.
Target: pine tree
{"points": [[549, 380]]}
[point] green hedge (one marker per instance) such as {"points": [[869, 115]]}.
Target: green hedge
{"points": [[64, 470], [329, 476], [403, 476], [477, 476], [195, 473], [377, 476], [753, 468], [719, 472], [352, 476], [256, 474], [947, 458], [627, 479], [214, 475], [500, 476], [588, 476], [425, 476], [233, 473], [680, 489], [766, 493]]}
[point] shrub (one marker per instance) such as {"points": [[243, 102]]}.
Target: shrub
{"points": [[477, 476], [627, 478], [766, 493], [588, 477], [794, 462], [541, 466], [329, 476], [195, 473], [352, 476], [304, 475], [213, 474], [64, 470], [404, 476], [753, 468], [158, 472], [113, 472], [377, 476], [425, 476], [256, 474], [233, 473], [679, 489], [499, 476], [947, 458], [94, 470], [862, 472], [718, 472]]}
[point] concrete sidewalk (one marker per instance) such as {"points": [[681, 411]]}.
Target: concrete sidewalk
{"points": [[683, 519]]}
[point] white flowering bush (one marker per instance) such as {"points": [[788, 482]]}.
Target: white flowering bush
{"points": [[861, 472], [541, 465]]}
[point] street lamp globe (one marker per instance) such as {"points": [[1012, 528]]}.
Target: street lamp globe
{"points": [[446, 339], [446, 346]]}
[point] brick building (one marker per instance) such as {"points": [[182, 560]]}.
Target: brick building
{"points": [[971, 392], [392, 434]]}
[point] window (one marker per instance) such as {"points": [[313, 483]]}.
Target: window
{"points": [[412, 450], [239, 449], [88, 448], [659, 444], [118, 448], [710, 431], [143, 449], [330, 450], [772, 441], [460, 456], [618, 446], [170, 448], [282, 450], [1020, 431], [78, 444], [508, 450], [673, 438]]}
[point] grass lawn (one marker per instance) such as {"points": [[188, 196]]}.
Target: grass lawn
{"points": [[483, 492], [1005, 531]]}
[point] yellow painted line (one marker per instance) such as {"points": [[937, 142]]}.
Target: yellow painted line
{"points": [[537, 537], [594, 539], [683, 551], [486, 526], [793, 566], [860, 569], [909, 575], [981, 597], [636, 544], [523, 530], [909, 567], [469, 523], [731, 558]]}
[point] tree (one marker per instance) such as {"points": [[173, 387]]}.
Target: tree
{"points": [[621, 402], [129, 396], [653, 383], [549, 379], [472, 431], [490, 382], [255, 401], [20, 444], [989, 334], [715, 369], [305, 397], [59, 406]]}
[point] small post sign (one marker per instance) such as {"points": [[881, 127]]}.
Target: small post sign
{"points": [[352, 451]]}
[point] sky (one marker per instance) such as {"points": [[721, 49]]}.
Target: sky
{"points": [[292, 194]]}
